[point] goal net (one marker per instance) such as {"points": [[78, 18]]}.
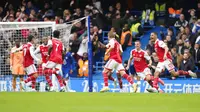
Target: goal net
{"points": [[11, 31]]}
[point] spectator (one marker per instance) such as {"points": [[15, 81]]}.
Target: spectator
{"points": [[175, 57], [155, 60], [170, 42], [83, 66], [30, 7], [117, 22], [74, 43], [150, 47], [192, 15], [181, 22], [77, 14], [67, 15], [186, 64], [198, 10], [83, 48], [196, 55], [196, 27], [126, 38], [180, 47]]}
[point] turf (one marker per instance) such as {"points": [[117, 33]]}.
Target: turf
{"points": [[98, 102]]}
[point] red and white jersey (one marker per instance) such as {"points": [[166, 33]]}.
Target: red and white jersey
{"points": [[57, 49], [116, 51], [28, 52], [43, 50], [139, 59], [160, 51]]}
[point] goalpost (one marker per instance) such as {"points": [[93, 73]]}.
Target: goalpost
{"points": [[9, 31]]}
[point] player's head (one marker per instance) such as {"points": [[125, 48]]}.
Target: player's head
{"points": [[17, 42], [153, 36], [56, 34], [111, 35], [68, 49], [137, 44], [31, 39], [45, 40]]}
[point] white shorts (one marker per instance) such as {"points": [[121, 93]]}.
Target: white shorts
{"points": [[114, 65], [51, 64], [30, 70], [143, 74], [165, 64]]}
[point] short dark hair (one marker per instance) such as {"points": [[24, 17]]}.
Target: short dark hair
{"points": [[30, 38], [56, 34], [155, 33]]}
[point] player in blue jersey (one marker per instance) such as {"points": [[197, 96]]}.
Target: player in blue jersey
{"points": [[67, 68]]}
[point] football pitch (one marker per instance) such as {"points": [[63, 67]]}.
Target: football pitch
{"points": [[98, 102]]}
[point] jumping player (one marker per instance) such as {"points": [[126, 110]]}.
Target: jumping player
{"points": [[165, 61], [140, 58], [43, 50], [28, 62], [54, 64], [115, 62]]}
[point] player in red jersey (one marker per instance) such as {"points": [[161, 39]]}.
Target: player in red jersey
{"points": [[115, 62], [140, 58], [43, 50], [106, 57], [54, 64], [29, 57], [165, 61]]}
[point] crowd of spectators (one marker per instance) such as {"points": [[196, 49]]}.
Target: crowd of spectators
{"points": [[182, 37]]}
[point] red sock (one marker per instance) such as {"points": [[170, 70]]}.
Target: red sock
{"points": [[111, 78], [155, 83], [120, 83], [60, 80], [128, 78], [48, 80], [150, 83], [64, 82], [33, 83], [30, 78], [49, 71], [181, 72], [105, 78]]}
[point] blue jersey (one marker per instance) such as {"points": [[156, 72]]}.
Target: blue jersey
{"points": [[68, 64], [68, 61]]}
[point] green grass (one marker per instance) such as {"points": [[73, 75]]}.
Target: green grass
{"points": [[98, 102]]}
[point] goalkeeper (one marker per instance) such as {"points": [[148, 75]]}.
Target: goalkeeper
{"points": [[16, 65]]}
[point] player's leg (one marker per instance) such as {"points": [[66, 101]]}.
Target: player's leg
{"points": [[21, 79], [119, 78], [170, 67], [110, 65], [159, 68], [58, 67], [15, 71], [21, 76], [110, 77], [120, 68], [14, 82], [32, 75], [47, 77], [49, 71]]}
